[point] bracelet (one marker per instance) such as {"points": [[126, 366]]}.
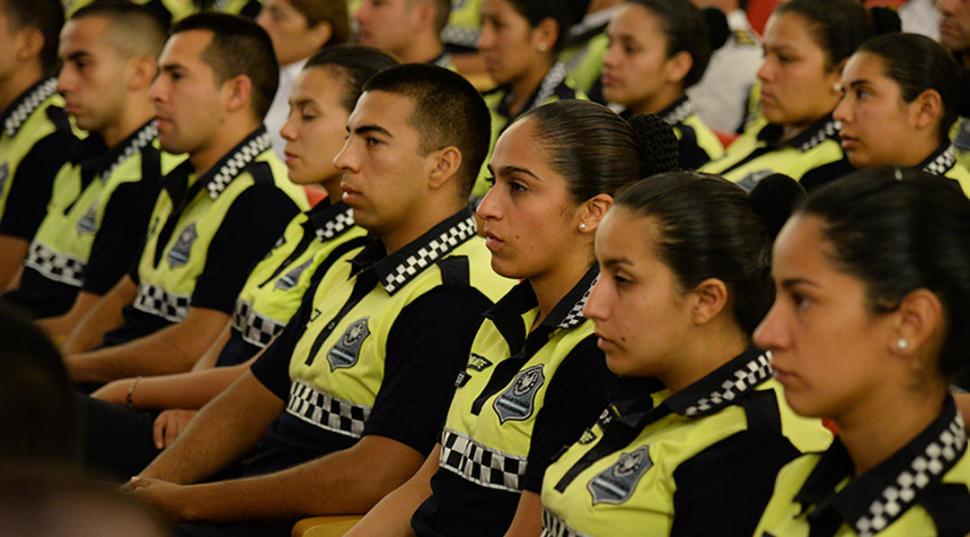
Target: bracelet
{"points": [[130, 397]]}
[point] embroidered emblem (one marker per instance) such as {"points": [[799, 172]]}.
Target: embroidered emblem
{"points": [[587, 437], [518, 400], [4, 173], [289, 280], [347, 350], [478, 362], [615, 484], [89, 222], [179, 254]]}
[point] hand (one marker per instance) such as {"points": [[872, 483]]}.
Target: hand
{"points": [[169, 424], [165, 496], [115, 391]]}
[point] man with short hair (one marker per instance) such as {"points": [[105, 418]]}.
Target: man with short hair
{"points": [[35, 134], [348, 402], [103, 196], [407, 29], [219, 211]]}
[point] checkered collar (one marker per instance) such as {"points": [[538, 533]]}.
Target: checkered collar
{"points": [[220, 176], [17, 113], [818, 132], [97, 159], [941, 161], [568, 313], [554, 80], [875, 499], [678, 112], [396, 270], [329, 221]]}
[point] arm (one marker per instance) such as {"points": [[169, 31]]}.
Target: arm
{"points": [[528, 516], [60, 327], [191, 390], [103, 317], [172, 349], [208, 360], [14, 252], [391, 516]]}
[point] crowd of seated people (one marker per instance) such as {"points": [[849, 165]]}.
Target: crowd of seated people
{"points": [[434, 268]]}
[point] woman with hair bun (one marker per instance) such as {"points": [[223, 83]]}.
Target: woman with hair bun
{"points": [[534, 378], [696, 428], [901, 93], [658, 49], [869, 329]]}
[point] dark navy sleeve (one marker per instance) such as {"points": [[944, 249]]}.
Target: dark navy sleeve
{"points": [[250, 228], [575, 398], [272, 369], [33, 184], [426, 349]]}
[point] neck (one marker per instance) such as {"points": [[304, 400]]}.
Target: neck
{"points": [[332, 187], [420, 222], [18, 83], [705, 350], [916, 150], [422, 48], [138, 111], [230, 134], [552, 287], [660, 101], [863, 430], [523, 88]]}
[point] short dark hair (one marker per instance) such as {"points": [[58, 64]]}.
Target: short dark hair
{"points": [[47, 16], [332, 12], [356, 64], [686, 30], [140, 30], [898, 230], [840, 26], [239, 47], [566, 13], [448, 111]]}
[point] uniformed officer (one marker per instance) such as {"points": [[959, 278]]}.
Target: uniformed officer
{"points": [[520, 40], [534, 378], [955, 35], [409, 30], [585, 46], [36, 136], [352, 395], [102, 198], [168, 11], [876, 131], [658, 49], [123, 441], [796, 135], [697, 428], [219, 212], [867, 329]]}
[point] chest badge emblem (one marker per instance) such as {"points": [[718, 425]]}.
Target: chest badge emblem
{"points": [[179, 254], [347, 350], [517, 402], [615, 484]]}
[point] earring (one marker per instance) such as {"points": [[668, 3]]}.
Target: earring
{"points": [[542, 47], [902, 344], [582, 227]]}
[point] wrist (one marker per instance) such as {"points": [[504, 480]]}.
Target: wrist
{"points": [[130, 396]]}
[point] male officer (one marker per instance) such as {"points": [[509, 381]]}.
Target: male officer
{"points": [[355, 389], [219, 212], [407, 29]]}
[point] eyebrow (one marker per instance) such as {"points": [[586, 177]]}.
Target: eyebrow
{"points": [[364, 129], [78, 55], [509, 170], [788, 283], [301, 101], [615, 261], [859, 82], [169, 67]]}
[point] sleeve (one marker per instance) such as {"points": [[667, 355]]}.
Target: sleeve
{"points": [[426, 349], [250, 228], [725, 489], [33, 183], [575, 398], [272, 369], [122, 232], [826, 173]]}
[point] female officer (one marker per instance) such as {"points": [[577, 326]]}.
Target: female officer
{"points": [[806, 44], [519, 41], [901, 95], [869, 329], [658, 49], [696, 428], [324, 94], [534, 377]]}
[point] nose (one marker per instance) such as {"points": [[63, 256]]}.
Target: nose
{"points": [[770, 333], [843, 111], [157, 90], [289, 129], [765, 72], [488, 208], [609, 59], [486, 37], [65, 80], [596, 307], [345, 160]]}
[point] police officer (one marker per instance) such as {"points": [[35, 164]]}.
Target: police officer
{"points": [[697, 428], [355, 389], [36, 136], [102, 198], [219, 212], [585, 46], [955, 35], [410, 30]]}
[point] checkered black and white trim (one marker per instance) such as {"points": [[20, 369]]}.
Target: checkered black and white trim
{"points": [[744, 379], [457, 35], [28, 105], [553, 526], [154, 300], [145, 136], [237, 163], [549, 84], [474, 462], [326, 411], [428, 254], [829, 130], [336, 225], [943, 162], [938, 457], [575, 315], [256, 329], [681, 112], [54, 266]]}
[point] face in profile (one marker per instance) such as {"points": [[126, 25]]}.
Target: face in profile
{"points": [[386, 25], [292, 36], [954, 24], [314, 130], [507, 43], [93, 77]]}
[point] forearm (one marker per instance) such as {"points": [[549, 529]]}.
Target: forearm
{"points": [[13, 250], [58, 328], [528, 516], [222, 432], [191, 390], [211, 355], [103, 317]]}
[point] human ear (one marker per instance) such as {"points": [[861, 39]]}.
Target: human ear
{"points": [[926, 109], [710, 297], [918, 320], [444, 166], [678, 66], [592, 211], [240, 92]]}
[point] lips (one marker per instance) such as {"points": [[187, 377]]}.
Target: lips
{"points": [[350, 195], [848, 142], [492, 241]]}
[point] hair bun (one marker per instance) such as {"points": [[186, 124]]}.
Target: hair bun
{"points": [[659, 151], [885, 20], [774, 198], [718, 29]]}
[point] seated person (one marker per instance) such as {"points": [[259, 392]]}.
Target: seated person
{"points": [[585, 45], [409, 30]]}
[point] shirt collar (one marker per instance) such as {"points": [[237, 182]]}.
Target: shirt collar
{"points": [[941, 161], [220, 176], [395, 271], [96, 159], [592, 24], [17, 113], [442, 60], [818, 132], [875, 499], [329, 221], [289, 72], [677, 112], [553, 79], [566, 314]]}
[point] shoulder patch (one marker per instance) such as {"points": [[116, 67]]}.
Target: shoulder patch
{"points": [[517, 402], [261, 172], [346, 352], [615, 484], [454, 271]]}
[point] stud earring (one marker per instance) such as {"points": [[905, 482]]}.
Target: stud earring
{"points": [[542, 47], [902, 344], [583, 227]]}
